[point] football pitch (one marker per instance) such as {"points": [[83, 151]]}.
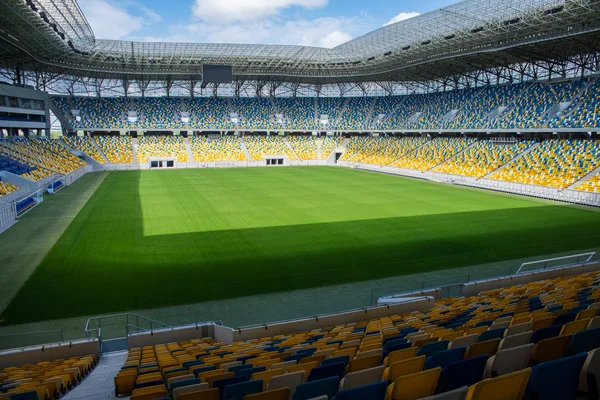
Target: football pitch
{"points": [[150, 239]]}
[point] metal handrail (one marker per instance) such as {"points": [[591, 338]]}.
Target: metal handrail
{"points": [[89, 330], [591, 255], [62, 334]]}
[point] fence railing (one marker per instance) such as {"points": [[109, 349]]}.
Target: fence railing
{"points": [[120, 325], [556, 262]]}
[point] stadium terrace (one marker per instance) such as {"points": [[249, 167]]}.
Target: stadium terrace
{"points": [[412, 214]]}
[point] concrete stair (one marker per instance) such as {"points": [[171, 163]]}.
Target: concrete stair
{"points": [[134, 146], [99, 150], [587, 176], [244, 148], [287, 143], [188, 149], [99, 385]]}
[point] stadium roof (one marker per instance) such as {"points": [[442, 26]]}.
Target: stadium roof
{"points": [[54, 36]]}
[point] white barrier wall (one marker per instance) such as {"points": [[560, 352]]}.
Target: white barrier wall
{"points": [[567, 195], [169, 335], [50, 352], [474, 288], [218, 164]]}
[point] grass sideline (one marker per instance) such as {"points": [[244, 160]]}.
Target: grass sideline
{"points": [[160, 238]]}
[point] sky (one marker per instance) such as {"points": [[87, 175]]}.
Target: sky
{"points": [[323, 23]]}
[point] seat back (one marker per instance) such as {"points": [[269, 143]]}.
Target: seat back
{"points": [[550, 349], [488, 347], [205, 394], [229, 365], [327, 371], [277, 394], [372, 391], [363, 377], [334, 360], [290, 380], [322, 387], [285, 365], [359, 364], [462, 373], [508, 360], [237, 391], [405, 367], [443, 358], [456, 394], [545, 333], [556, 379], [575, 326], [221, 384], [400, 355], [595, 322], [415, 386], [520, 339], [178, 392], [430, 349], [465, 341], [586, 340], [506, 387], [497, 333]]}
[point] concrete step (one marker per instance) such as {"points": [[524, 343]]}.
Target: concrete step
{"points": [[99, 385]]}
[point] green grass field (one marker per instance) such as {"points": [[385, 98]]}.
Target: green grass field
{"points": [[158, 238]]}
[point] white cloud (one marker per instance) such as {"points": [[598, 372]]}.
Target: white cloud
{"points": [[111, 21], [321, 32], [246, 10], [401, 17]]}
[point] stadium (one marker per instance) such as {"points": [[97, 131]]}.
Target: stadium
{"points": [[411, 214]]}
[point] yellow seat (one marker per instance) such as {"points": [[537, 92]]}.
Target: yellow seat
{"points": [[358, 364], [550, 349], [277, 394], [405, 367], [400, 355], [414, 386], [575, 326], [206, 394], [303, 367], [489, 347], [212, 378], [506, 387]]}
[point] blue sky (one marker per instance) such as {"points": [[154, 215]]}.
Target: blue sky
{"points": [[326, 23]]}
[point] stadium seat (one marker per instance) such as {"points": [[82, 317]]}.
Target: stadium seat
{"points": [[414, 386], [237, 391], [328, 386], [556, 379], [461, 373], [509, 386], [363, 377], [508, 361]]}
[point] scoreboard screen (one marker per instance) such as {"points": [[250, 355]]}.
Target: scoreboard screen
{"points": [[217, 73]]}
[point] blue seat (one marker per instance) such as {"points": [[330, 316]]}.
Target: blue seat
{"points": [[484, 323], [237, 391], [393, 346], [461, 373], [248, 372], [296, 357], [188, 364], [187, 382], [565, 318], [586, 340], [491, 334], [204, 369], [391, 339], [555, 380], [323, 387], [326, 371], [430, 349], [223, 383], [334, 360], [31, 395], [545, 333], [443, 358], [373, 391], [244, 359], [240, 368], [309, 351]]}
